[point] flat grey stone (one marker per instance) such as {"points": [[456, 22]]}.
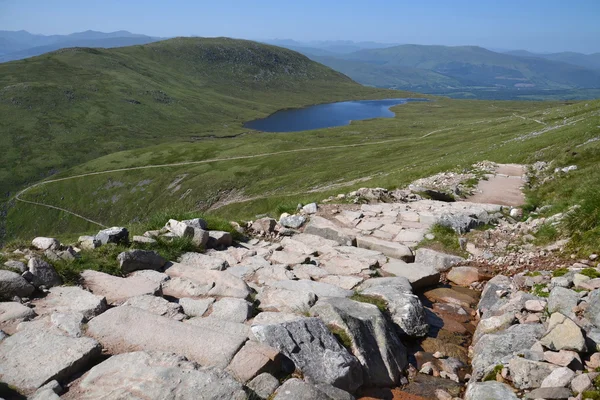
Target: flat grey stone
{"points": [[69, 299], [13, 284], [155, 376], [264, 385], [528, 374], [283, 300], [550, 393], [221, 325], [314, 351], [560, 377], [156, 305], [203, 261], [124, 329], [374, 343], [195, 308], [12, 313], [30, 358], [390, 249], [440, 261], [221, 283], [231, 309], [419, 275], [490, 391], [117, 290], [326, 229], [135, 260], [319, 288]]}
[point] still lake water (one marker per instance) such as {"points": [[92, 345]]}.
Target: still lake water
{"points": [[326, 115]]}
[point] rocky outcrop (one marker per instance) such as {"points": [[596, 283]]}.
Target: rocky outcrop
{"points": [[373, 341], [314, 351]]}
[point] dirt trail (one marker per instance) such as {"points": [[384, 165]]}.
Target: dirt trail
{"points": [[503, 187]]}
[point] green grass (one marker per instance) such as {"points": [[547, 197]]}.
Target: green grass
{"points": [[63, 108], [423, 139], [379, 302], [445, 240], [341, 335], [590, 273], [491, 376], [560, 272], [104, 258], [538, 290], [547, 233]]}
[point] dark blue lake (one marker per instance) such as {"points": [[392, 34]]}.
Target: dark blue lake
{"points": [[326, 115]]}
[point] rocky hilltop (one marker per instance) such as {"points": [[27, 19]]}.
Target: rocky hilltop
{"points": [[373, 294]]}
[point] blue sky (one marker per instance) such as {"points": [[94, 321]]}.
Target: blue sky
{"points": [[537, 25]]}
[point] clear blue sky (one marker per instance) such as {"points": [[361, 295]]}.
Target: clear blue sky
{"points": [[537, 25]]}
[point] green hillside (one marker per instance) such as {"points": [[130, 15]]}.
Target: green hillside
{"points": [[279, 170], [73, 105]]}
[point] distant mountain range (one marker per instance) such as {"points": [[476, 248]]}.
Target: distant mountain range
{"points": [[16, 45], [569, 57], [446, 68], [467, 71]]}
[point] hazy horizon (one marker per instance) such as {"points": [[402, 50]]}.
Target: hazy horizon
{"points": [[536, 25]]}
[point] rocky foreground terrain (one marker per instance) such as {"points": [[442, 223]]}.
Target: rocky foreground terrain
{"points": [[338, 301]]}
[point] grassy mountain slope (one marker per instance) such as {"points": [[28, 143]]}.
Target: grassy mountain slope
{"points": [[66, 107], [423, 138]]}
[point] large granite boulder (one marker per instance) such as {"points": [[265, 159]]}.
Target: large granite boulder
{"points": [[135, 260], [42, 274], [314, 350], [13, 284], [490, 391], [405, 308], [220, 283], [117, 290], [373, 341]]}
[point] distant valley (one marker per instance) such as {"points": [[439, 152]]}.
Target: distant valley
{"points": [[464, 71]]}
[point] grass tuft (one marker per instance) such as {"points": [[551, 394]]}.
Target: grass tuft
{"points": [[445, 240], [341, 336], [379, 302], [590, 273], [559, 272]]}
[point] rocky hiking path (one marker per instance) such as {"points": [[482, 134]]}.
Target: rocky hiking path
{"points": [[338, 301], [504, 186]]}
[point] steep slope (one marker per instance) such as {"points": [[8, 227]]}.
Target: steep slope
{"points": [[66, 107]]}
